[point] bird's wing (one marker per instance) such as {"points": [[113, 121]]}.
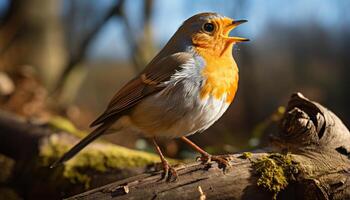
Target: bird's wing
{"points": [[147, 83], [138, 88]]}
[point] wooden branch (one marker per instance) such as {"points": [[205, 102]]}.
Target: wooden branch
{"points": [[309, 159]]}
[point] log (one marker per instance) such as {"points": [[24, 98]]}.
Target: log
{"points": [[33, 146], [309, 158]]}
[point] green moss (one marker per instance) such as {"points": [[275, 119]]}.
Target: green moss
{"points": [[246, 155], [275, 171], [63, 124], [98, 156]]}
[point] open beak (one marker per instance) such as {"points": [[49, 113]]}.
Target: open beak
{"points": [[238, 22], [233, 25]]}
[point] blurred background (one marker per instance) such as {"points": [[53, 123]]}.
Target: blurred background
{"points": [[69, 57]]}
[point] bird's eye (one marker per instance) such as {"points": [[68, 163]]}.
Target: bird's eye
{"points": [[208, 27]]}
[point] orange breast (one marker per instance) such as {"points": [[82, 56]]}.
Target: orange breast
{"points": [[221, 74]]}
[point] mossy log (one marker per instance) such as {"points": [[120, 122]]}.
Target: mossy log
{"points": [[33, 146], [309, 158]]}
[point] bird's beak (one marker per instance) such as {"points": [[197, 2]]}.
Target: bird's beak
{"points": [[233, 25], [238, 22]]}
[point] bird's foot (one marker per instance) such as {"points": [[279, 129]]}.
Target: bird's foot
{"points": [[222, 160], [169, 172]]}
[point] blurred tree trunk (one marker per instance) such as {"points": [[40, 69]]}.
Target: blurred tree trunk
{"points": [[144, 49], [33, 35]]}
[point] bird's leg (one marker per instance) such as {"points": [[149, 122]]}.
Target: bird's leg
{"points": [[205, 156], [169, 171]]}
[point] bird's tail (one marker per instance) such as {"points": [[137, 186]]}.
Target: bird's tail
{"points": [[83, 143]]}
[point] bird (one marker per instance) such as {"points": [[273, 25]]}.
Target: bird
{"points": [[183, 90]]}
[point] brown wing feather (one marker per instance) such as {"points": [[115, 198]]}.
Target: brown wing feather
{"points": [[144, 85]]}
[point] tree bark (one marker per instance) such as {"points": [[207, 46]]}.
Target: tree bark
{"points": [[309, 158]]}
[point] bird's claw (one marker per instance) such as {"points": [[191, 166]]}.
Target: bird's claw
{"points": [[223, 161], [169, 172]]}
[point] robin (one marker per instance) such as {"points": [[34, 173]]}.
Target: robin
{"points": [[187, 86]]}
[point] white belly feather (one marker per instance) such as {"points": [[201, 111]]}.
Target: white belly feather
{"points": [[159, 116], [178, 110]]}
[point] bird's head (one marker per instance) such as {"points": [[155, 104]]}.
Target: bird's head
{"points": [[211, 31]]}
